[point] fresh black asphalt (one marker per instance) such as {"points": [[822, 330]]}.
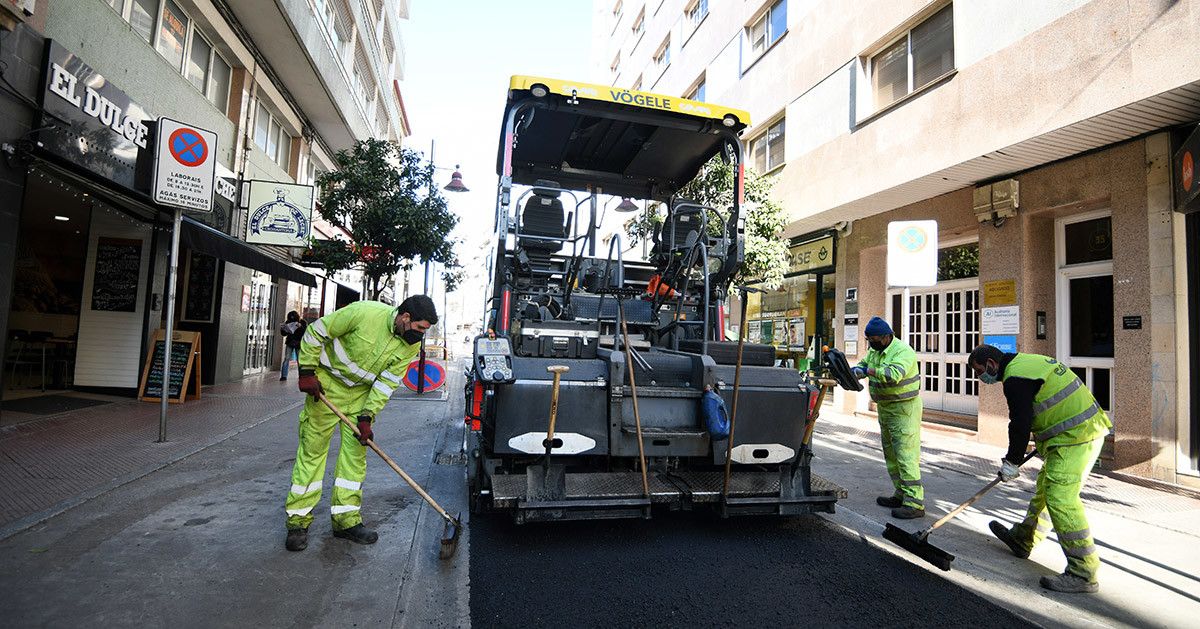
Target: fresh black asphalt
{"points": [[696, 570]]}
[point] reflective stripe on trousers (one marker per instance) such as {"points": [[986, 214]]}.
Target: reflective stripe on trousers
{"points": [[317, 424], [1058, 486]]}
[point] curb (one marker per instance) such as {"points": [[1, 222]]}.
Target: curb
{"points": [[29, 521]]}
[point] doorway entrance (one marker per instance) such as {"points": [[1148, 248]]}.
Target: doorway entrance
{"points": [[1085, 300], [941, 324], [261, 324]]}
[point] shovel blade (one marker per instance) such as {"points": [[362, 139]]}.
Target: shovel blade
{"points": [[545, 483]]}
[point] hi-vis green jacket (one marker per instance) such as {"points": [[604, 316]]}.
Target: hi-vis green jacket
{"points": [[896, 375], [358, 351]]}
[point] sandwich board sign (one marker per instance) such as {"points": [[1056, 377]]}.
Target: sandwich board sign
{"points": [[185, 165], [912, 253]]}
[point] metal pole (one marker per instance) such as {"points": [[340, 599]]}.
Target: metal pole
{"points": [[172, 268], [421, 360]]}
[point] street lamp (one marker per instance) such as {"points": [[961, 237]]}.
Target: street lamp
{"points": [[456, 182], [627, 205]]}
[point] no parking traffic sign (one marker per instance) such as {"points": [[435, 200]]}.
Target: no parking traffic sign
{"points": [[184, 166], [435, 375]]}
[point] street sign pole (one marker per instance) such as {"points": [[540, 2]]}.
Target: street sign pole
{"points": [[172, 277]]}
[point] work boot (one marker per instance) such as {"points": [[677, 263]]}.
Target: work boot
{"points": [[908, 513], [1003, 534], [297, 539], [358, 534], [1067, 582], [890, 502]]}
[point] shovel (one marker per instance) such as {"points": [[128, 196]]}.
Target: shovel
{"points": [[453, 526], [918, 543], [545, 482]]}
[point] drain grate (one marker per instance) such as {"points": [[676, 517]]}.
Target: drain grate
{"points": [[455, 458]]}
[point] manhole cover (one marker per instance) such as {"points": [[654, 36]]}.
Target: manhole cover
{"points": [[457, 458]]}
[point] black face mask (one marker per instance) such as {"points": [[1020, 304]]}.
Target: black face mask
{"points": [[412, 336], [876, 345]]}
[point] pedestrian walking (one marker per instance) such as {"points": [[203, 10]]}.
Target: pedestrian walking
{"points": [[293, 331], [895, 386], [356, 356], [1047, 399]]}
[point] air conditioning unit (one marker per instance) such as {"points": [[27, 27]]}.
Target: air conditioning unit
{"points": [[997, 201]]}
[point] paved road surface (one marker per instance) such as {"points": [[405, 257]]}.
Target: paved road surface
{"points": [[689, 570]]}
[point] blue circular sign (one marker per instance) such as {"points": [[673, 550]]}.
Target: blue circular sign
{"points": [[188, 147], [435, 375], [912, 239]]}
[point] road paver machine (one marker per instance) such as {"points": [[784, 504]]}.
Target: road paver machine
{"points": [[632, 355]]}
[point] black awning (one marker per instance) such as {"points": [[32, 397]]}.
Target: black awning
{"points": [[200, 237]]}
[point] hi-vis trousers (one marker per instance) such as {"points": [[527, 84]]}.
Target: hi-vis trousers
{"points": [[317, 424], [1058, 487]]}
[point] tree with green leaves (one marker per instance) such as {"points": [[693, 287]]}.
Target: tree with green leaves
{"points": [[383, 196], [765, 250]]}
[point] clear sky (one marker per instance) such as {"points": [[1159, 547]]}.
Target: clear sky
{"points": [[460, 55]]}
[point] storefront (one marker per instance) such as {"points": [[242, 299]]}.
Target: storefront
{"points": [[92, 245], [798, 317]]}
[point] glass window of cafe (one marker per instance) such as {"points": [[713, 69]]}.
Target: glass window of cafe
{"points": [[787, 317]]}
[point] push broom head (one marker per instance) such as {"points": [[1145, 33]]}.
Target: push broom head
{"points": [[450, 534], [918, 544]]}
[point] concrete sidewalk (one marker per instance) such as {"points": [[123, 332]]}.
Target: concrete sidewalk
{"points": [[1149, 539], [52, 464]]}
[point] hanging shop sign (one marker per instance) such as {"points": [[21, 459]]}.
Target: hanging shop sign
{"points": [[912, 253], [280, 214], [811, 256], [1187, 177], [89, 121], [184, 166]]}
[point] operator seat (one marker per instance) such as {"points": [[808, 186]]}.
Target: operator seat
{"points": [[542, 217]]}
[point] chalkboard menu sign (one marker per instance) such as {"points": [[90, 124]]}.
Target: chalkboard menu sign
{"points": [[184, 368], [199, 288], [115, 281]]}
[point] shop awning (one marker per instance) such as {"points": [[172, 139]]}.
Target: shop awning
{"points": [[200, 237]]}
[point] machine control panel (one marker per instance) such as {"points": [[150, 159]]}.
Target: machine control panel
{"points": [[493, 359]]}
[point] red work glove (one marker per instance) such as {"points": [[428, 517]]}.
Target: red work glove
{"points": [[309, 383], [364, 429]]}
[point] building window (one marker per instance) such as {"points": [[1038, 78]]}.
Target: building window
{"points": [[218, 83], [767, 149], [181, 44], [767, 29], [639, 24], [697, 92], [919, 57], [616, 12], [199, 62], [172, 34], [334, 16], [142, 15], [662, 58], [958, 262], [615, 66], [637, 85], [697, 11], [364, 85], [271, 137]]}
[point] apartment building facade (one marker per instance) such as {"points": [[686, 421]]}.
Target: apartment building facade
{"points": [[83, 246], [1042, 136]]}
